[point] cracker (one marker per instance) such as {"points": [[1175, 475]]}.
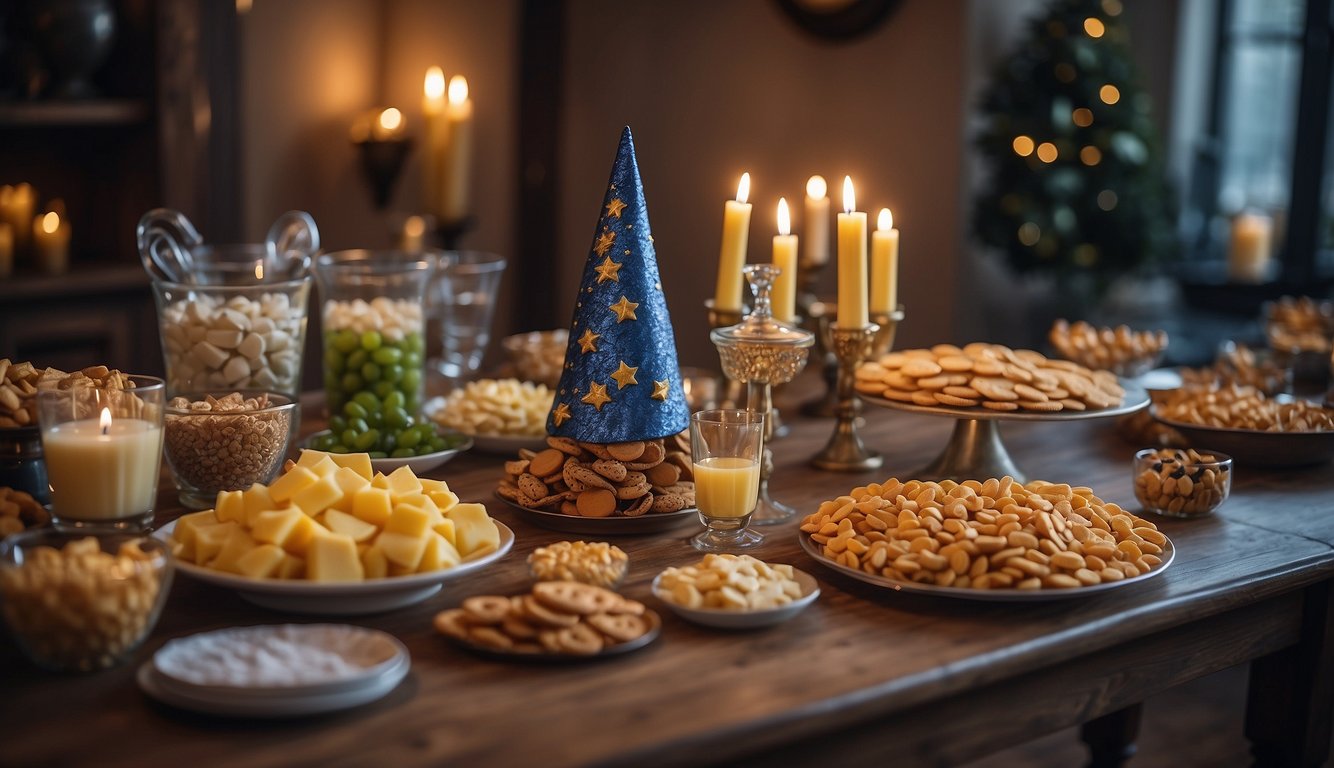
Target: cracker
{"points": [[957, 402], [1000, 405], [920, 368]]}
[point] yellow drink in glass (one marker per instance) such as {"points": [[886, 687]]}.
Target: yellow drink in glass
{"points": [[727, 486]]}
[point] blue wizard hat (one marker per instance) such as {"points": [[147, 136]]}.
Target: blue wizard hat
{"points": [[621, 380]]}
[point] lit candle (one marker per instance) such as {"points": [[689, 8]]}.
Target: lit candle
{"points": [[457, 162], [816, 253], [6, 249], [18, 204], [388, 125], [412, 238], [732, 254], [1250, 247], [433, 117], [851, 261], [784, 297], [884, 264], [102, 469], [50, 242]]}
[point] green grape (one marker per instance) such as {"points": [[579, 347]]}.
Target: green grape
{"points": [[345, 341], [392, 373], [354, 410], [357, 359], [402, 453], [371, 372], [371, 340], [367, 400], [387, 355], [367, 440]]}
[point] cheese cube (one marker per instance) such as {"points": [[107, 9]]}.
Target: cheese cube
{"points": [[438, 555], [349, 482], [185, 531], [230, 505], [209, 540], [475, 532], [287, 486], [325, 466], [408, 519], [318, 496], [402, 549], [290, 529], [374, 563], [378, 480], [292, 567], [372, 505], [402, 482], [429, 485], [342, 522], [446, 528], [423, 501], [262, 562], [238, 543], [256, 499], [333, 557], [309, 458], [357, 462], [444, 499]]}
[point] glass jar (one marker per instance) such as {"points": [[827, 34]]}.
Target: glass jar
{"points": [[21, 464], [374, 342]]}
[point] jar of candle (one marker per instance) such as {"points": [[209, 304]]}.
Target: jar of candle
{"points": [[374, 342]]}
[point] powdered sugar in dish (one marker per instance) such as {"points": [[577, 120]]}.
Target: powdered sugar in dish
{"points": [[276, 655]]}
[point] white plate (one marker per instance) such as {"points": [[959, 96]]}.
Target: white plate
{"points": [[723, 619], [192, 663], [346, 599], [164, 689], [989, 595], [419, 464]]}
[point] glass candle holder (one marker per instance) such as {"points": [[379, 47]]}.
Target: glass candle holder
{"points": [[103, 450], [726, 448]]}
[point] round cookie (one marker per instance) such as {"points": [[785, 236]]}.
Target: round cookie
{"points": [[486, 609], [596, 502], [575, 597], [920, 368], [621, 627], [628, 451]]}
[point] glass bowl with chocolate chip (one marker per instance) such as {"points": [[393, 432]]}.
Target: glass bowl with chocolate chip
{"points": [[225, 443], [1182, 482]]}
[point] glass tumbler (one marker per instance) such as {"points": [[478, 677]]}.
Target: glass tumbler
{"points": [[103, 450], [374, 334], [461, 305], [726, 447]]}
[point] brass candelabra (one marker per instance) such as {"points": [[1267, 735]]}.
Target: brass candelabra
{"points": [[845, 451]]}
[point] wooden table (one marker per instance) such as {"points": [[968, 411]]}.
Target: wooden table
{"points": [[866, 673]]}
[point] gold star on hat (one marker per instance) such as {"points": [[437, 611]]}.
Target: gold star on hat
{"points": [[604, 243], [608, 270], [560, 414], [597, 395], [625, 375], [624, 309], [661, 388], [589, 341], [615, 207]]}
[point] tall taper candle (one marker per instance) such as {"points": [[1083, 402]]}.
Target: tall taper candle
{"points": [[732, 253], [816, 225], [851, 261], [884, 264], [433, 118], [454, 190], [784, 296]]}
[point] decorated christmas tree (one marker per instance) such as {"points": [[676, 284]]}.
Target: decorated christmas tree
{"points": [[1074, 186]]}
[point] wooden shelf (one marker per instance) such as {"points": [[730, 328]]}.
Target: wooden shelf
{"points": [[100, 112], [81, 280]]}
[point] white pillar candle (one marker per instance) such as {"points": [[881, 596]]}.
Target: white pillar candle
{"points": [[816, 225], [784, 296], [1250, 247], [454, 189], [884, 264]]}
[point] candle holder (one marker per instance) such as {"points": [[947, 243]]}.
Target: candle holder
{"points": [[821, 315], [381, 163], [724, 318], [761, 352], [845, 451], [884, 338]]}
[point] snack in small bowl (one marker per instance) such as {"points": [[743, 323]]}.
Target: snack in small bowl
{"points": [[735, 591], [20, 511], [225, 443], [506, 407], [1182, 483], [111, 588], [588, 562], [538, 356], [1119, 350]]}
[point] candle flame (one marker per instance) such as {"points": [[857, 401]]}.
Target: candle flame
{"points": [[259, 270], [743, 188], [104, 421], [784, 218], [435, 84], [849, 197], [458, 89], [51, 222], [816, 187], [415, 226], [885, 221], [391, 119]]}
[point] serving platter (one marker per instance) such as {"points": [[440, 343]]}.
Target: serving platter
{"points": [[1255, 447], [988, 595], [603, 526], [340, 599], [650, 617]]}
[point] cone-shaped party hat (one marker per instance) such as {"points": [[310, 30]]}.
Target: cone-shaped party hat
{"points": [[621, 379]]}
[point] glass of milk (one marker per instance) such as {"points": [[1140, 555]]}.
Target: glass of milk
{"points": [[726, 447]]}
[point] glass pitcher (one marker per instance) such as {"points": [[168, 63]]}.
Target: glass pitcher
{"points": [[231, 317]]}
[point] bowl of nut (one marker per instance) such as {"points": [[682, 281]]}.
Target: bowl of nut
{"points": [[112, 588], [1249, 426], [736, 592], [501, 415], [588, 562], [1122, 351], [1181, 483], [225, 443]]}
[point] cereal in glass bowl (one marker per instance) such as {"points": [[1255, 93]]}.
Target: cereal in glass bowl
{"points": [[225, 443], [1182, 483]]}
